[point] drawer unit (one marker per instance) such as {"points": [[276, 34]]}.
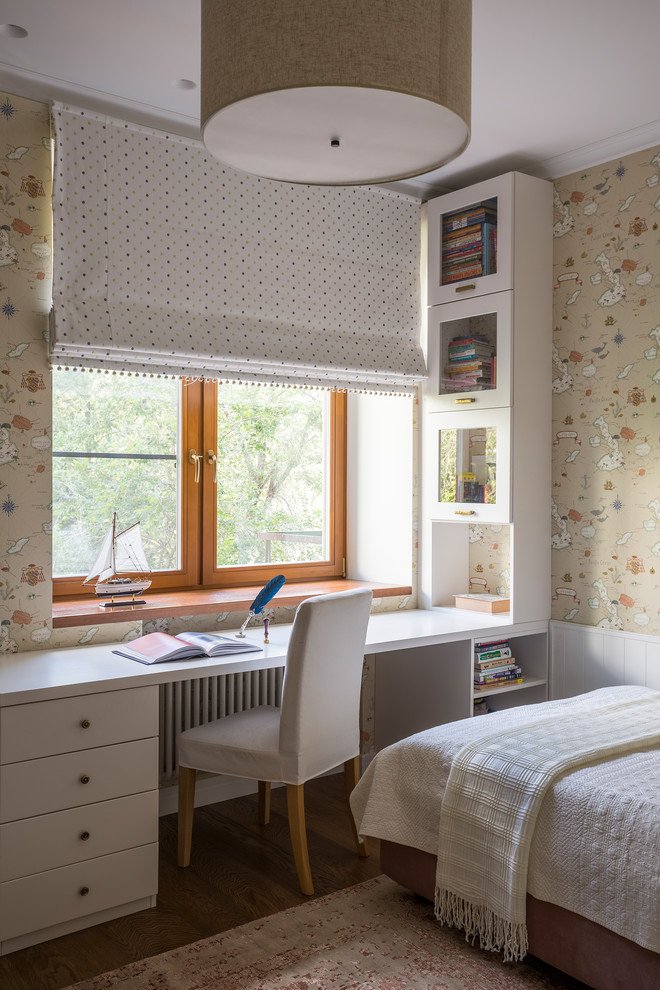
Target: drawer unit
{"points": [[66, 725], [38, 787], [50, 841], [46, 899], [78, 812]]}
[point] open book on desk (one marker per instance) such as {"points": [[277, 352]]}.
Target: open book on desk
{"points": [[160, 647]]}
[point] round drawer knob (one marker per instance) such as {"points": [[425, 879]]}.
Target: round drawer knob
{"points": [[84, 779], [85, 724], [84, 891], [84, 836]]}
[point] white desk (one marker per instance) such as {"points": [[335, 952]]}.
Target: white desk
{"points": [[79, 754], [44, 674]]}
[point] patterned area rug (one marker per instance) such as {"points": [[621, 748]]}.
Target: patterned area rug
{"points": [[374, 936]]}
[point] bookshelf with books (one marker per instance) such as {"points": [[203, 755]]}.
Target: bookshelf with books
{"points": [[486, 404], [469, 353], [508, 664], [469, 241], [439, 680]]}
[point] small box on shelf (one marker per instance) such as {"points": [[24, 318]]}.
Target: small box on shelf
{"points": [[482, 602]]}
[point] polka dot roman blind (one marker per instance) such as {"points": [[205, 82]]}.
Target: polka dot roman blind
{"points": [[167, 262]]}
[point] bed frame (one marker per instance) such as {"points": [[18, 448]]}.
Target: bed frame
{"points": [[579, 947]]}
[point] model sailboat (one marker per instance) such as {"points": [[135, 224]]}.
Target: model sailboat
{"points": [[120, 569]]}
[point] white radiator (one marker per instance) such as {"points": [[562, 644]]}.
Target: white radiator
{"points": [[184, 704]]}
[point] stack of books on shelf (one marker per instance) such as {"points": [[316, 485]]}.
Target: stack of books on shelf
{"points": [[494, 666], [469, 243], [470, 364]]}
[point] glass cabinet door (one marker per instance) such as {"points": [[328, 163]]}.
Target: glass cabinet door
{"points": [[470, 241], [468, 465], [469, 353]]}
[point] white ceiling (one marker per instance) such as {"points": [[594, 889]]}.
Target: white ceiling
{"points": [[556, 86]]}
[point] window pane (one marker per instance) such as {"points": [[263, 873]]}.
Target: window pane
{"points": [[114, 450], [272, 475]]}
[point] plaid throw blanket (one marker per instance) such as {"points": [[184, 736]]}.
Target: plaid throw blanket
{"points": [[495, 789]]}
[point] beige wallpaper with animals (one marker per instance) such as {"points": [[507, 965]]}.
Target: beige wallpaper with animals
{"points": [[606, 383], [606, 378]]}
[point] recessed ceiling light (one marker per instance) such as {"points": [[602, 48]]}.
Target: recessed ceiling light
{"points": [[13, 31], [184, 84]]}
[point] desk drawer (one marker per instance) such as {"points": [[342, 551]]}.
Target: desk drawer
{"points": [[66, 725], [39, 787], [65, 837], [45, 899]]}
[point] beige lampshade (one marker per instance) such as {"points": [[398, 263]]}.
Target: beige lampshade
{"points": [[336, 92]]}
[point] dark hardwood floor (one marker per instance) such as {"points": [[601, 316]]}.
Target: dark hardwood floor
{"points": [[239, 871]]}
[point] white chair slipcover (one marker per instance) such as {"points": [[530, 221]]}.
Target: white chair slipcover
{"points": [[315, 730]]}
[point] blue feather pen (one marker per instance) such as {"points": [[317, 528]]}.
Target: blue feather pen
{"points": [[268, 591]]}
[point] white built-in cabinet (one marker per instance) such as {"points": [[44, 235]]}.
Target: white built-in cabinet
{"points": [[424, 686], [78, 812], [485, 422]]}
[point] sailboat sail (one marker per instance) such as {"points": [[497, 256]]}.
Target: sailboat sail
{"points": [[129, 553], [102, 568], [120, 553]]}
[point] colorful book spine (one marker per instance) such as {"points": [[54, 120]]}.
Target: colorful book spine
{"points": [[489, 248], [467, 218], [514, 675], [493, 686], [458, 275], [494, 654], [491, 644], [487, 665], [484, 674]]}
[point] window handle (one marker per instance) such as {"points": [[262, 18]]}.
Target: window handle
{"points": [[196, 459], [212, 458]]}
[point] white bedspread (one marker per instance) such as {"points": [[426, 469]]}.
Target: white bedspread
{"points": [[595, 847]]}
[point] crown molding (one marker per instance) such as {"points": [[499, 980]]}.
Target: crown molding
{"points": [[46, 89], [617, 146], [36, 86]]}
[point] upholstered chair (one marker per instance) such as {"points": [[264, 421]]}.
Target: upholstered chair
{"points": [[315, 729]]}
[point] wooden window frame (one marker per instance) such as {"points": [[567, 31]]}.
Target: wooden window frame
{"points": [[198, 508]]}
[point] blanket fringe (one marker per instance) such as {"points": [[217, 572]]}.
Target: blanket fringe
{"points": [[480, 922]]}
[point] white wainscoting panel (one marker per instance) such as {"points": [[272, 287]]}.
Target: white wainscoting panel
{"points": [[583, 658]]}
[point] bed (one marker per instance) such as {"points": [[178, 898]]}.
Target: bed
{"points": [[591, 879]]}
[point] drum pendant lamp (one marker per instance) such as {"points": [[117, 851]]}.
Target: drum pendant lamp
{"points": [[336, 92]]}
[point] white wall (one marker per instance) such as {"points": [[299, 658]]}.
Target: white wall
{"points": [[379, 488]]}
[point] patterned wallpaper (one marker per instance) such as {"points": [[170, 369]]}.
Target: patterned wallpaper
{"points": [[606, 384], [606, 379], [25, 397], [489, 556]]}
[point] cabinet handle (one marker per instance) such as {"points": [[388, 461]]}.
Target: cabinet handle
{"points": [[84, 836], [465, 288], [464, 512], [85, 724], [84, 779], [460, 402], [84, 891]]}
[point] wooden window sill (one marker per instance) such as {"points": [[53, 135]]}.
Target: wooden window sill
{"points": [[86, 611]]}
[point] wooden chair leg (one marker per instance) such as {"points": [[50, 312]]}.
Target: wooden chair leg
{"points": [[351, 777], [185, 819], [264, 802], [295, 801]]}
